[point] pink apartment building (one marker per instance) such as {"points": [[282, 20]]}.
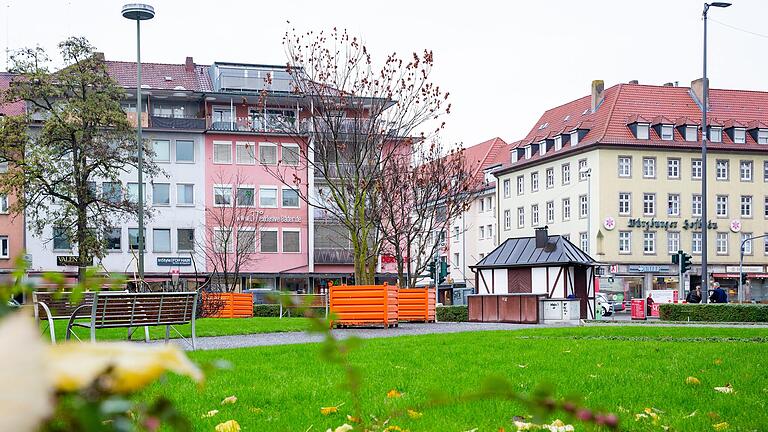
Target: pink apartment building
{"points": [[11, 227]]}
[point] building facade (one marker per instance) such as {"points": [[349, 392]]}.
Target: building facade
{"points": [[619, 173], [11, 226]]}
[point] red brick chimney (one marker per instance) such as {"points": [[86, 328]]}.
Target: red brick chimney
{"points": [[189, 65]]}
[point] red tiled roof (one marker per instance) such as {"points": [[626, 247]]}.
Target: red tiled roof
{"points": [[486, 154], [15, 108], [154, 75]]}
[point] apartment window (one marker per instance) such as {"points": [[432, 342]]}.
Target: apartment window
{"points": [[584, 242], [507, 191], [566, 209], [4, 247], [535, 215], [133, 192], [246, 240], [185, 151], [489, 203], [696, 205], [765, 171], [625, 203], [762, 136], [673, 168], [745, 171], [715, 134], [268, 154], [649, 204], [161, 240], [721, 205], [111, 192], [765, 244], [673, 205], [583, 206], [185, 194], [574, 138], [696, 243], [133, 239], [643, 131], [291, 154], [550, 212], [696, 169], [489, 230], [739, 135], [222, 152], [245, 196], [162, 149], [481, 232], [649, 167], [625, 242], [747, 244], [583, 170], [222, 195], [185, 239], [113, 238], [482, 205], [4, 167], [746, 206], [290, 198], [649, 242], [550, 178], [721, 169], [268, 241], [673, 242], [244, 153], [667, 132], [566, 173], [268, 197], [3, 204], [558, 142], [691, 133], [455, 259], [534, 181], [161, 194], [721, 243], [291, 242], [765, 207], [625, 166], [520, 185], [520, 217], [455, 233], [507, 219]]}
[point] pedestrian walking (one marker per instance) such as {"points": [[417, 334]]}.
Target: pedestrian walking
{"points": [[718, 294], [694, 296]]}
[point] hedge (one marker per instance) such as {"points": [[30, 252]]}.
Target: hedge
{"points": [[452, 313], [714, 312], [266, 310]]}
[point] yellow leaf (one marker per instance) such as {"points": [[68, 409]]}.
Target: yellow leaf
{"points": [[353, 419], [210, 413], [414, 414], [230, 400], [343, 428], [692, 380], [394, 394], [720, 426], [329, 410], [393, 428], [727, 389], [256, 410], [228, 426], [718, 362]]}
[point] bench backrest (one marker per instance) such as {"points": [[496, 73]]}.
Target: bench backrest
{"points": [[61, 303], [122, 309]]}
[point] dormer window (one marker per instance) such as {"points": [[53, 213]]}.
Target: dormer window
{"points": [[558, 142], [528, 151], [542, 148], [574, 138], [715, 134], [762, 136], [643, 131], [667, 132], [739, 135], [691, 133]]}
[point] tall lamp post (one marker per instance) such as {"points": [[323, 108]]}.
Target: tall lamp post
{"points": [[587, 172], [139, 12], [704, 107]]}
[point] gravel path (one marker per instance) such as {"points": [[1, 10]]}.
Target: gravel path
{"points": [[286, 338]]}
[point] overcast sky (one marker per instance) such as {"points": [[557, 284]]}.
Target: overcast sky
{"points": [[504, 62]]}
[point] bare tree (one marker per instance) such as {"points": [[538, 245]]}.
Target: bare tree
{"points": [[231, 231], [358, 118]]}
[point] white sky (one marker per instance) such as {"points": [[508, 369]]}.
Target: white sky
{"points": [[504, 62]]}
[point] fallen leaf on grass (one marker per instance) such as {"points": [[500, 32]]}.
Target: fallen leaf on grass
{"points": [[210, 413], [718, 362], [343, 428], [229, 400], [727, 389], [691, 414], [353, 419], [414, 414], [713, 415], [329, 410], [394, 394], [393, 428], [256, 410], [592, 376], [692, 380], [228, 426], [566, 351], [599, 365], [522, 366], [720, 426]]}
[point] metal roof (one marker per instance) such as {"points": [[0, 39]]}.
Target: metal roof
{"points": [[522, 252]]}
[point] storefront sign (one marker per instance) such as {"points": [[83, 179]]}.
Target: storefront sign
{"points": [[260, 217], [69, 260], [648, 268], [747, 269], [638, 309], [653, 223], [174, 261]]}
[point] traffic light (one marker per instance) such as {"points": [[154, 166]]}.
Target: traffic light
{"points": [[431, 269], [685, 262], [743, 278], [443, 272], [676, 258]]}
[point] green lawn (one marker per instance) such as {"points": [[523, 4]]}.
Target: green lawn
{"points": [[204, 327], [618, 369]]}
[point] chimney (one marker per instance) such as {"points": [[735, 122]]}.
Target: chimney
{"points": [[542, 237], [189, 64], [597, 93], [669, 84], [697, 91], [634, 82]]}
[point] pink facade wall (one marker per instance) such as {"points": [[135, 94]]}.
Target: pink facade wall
{"points": [[12, 226]]}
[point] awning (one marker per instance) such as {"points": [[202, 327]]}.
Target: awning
{"points": [[736, 275]]}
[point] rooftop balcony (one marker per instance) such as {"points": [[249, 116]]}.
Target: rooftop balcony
{"points": [[186, 123], [263, 124]]}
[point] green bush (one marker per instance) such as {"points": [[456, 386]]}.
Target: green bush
{"points": [[266, 310], [714, 312], [452, 313]]}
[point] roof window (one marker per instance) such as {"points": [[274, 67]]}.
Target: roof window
{"points": [[739, 135], [715, 134], [667, 132]]}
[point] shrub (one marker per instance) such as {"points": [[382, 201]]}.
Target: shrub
{"points": [[266, 310], [452, 313], [714, 312]]}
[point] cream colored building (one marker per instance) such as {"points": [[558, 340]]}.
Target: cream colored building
{"points": [[619, 173]]}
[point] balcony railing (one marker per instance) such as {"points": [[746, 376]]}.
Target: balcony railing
{"points": [[346, 128], [163, 122], [264, 80], [333, 256], [268, 124]]}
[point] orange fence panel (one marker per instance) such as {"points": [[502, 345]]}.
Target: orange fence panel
{"points": [[364, 304], [236, 305], [416, 304]]}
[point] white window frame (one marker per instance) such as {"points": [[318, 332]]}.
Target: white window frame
{"points": [[649, 167], [264, 145], [583, 206], [4, 204], [667, 132], [179, 203], [696, 238], [277, 197], [625, 242], [565, 172], [282, 201], [154, 242], [481, 232], [745, 206], [691, 133], [282, 240], [228, 161], [696, 205], [237, 193], [584, 242], [226, 187], [5, 246], [673, 242], [649, 239], [550, 211], [168, 143], [721, 202], [748, 249], [535, 181], [277, 242], [520, 185], [176, 152], [739, 135], [535, 215], [625, 166], [249, 155], [673, 168], [507, 220], [558, 142], [566, 203], [722, 166], [715, 134], [549, 178], [762, 136], [696, 169], [521, 217], [582, 172], [625, 200], [721, 243], [283, 146], [507, 188], [643, 131], [574, 138], [673, 204], [154, 185], [649, 198], [746, 170]]}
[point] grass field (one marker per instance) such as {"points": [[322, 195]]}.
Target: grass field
{"points": [[620, 369], [204, 327]]}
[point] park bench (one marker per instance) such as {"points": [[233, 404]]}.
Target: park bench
{"points": [[132, 310], [51, 306]]}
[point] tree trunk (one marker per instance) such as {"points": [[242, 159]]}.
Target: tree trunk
{"points": [[82, 250]]}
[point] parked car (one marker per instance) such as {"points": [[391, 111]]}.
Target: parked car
{"points": [[605, 306]]}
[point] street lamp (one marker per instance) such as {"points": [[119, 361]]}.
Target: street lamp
{"points": [[704, 107], [741, 263], [587, 172], [139, 12]]}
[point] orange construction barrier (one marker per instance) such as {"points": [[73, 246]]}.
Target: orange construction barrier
{"points": [[236, 305], [416, 304], [364, 304]]}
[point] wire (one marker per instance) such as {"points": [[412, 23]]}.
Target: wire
{"points": [[739, 29]]}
